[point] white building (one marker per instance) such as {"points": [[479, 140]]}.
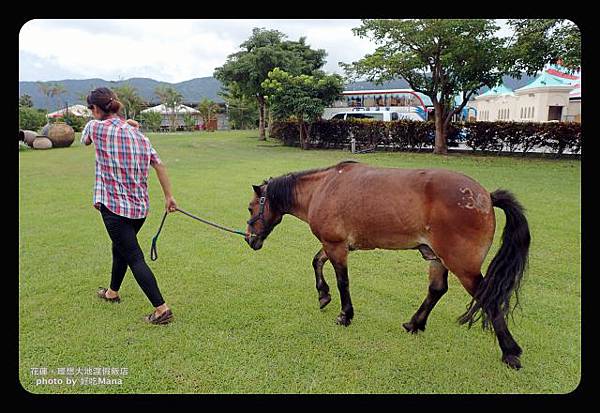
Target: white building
{"points": [[180, 112], [552, 96], [73, 110]]}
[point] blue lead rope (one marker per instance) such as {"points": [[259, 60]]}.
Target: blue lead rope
{"points": [[153, 252]]}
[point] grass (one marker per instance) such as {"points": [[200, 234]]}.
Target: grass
{"points": [[248, 322]]}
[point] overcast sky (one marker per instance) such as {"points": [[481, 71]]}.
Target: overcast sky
{"points": [[165, 50]]}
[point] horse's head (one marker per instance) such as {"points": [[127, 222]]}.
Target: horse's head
{"points": [[263, 218]]}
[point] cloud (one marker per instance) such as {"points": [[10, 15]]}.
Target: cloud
{"points": [[165, 50]]}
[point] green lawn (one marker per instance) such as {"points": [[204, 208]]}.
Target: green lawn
{"points": [[249, 322]]}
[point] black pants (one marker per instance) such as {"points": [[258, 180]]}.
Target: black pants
{"points": [[126, 251]]}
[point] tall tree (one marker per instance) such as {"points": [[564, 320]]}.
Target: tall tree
{"points": [[44, 88], [132, 102], [57, 90], [440, 58], [25, 101], [537, 42], [261, 53], [242, 110], [208, 111], [171, 98], [303, 97]]}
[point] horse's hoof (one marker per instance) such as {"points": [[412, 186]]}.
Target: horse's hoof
{"points": [[343, 320], [413, 328], [512, 361], [323, 301]]}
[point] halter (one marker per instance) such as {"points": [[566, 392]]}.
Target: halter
{"points": [[261, 210]]}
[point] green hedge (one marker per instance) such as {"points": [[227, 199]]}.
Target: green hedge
{"points": [[412, 135]]}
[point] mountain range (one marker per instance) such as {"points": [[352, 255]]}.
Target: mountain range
{"points": [[192, 90]]}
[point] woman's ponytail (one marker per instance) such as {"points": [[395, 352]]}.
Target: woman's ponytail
{"points": [[113, 106]]}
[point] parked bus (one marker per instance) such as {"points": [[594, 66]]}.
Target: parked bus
{"points": [[394, 100]]}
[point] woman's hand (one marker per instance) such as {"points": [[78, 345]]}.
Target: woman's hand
{"points": [[170, 204], [133, 123]]}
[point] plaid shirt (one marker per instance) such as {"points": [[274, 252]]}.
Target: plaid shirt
{"points": [[123, 157]]}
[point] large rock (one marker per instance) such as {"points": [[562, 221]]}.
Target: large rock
{"points": [[61, 134], [41, 142], [27, 136]]}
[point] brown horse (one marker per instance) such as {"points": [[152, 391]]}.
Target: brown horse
{"points": [[447, 216]]}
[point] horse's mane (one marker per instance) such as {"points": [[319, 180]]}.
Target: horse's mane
{"points": [[281, 190]]}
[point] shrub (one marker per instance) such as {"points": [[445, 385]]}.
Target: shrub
{"points": [[76, 122], [151, 121], [561, 136], [287, 132], [411, 135], [31, 119]]}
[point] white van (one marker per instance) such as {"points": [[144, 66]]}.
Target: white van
{"points": [[386, 116]]}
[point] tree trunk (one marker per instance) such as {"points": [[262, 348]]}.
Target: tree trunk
{"points": [[441, 131], [306, 136], [301, 128], [270, 127], [261, 118]]}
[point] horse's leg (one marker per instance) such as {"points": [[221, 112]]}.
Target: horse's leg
{"points": [[322, 288], [438, 285], [510, 349], [338, 255]]}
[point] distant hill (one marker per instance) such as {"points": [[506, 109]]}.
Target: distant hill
{"points": [[192, 90]]}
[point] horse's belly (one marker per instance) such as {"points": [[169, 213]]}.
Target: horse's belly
{"points": [[384, 239]]}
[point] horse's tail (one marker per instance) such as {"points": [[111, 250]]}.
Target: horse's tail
{"points": [[503, 276]]}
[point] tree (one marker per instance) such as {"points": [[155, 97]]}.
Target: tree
{"points": [[208, 109], [261, 53], [25, 101], [189, 121], [151, 120], [132, 102], [437, 57], [171, 98], [537, 42], [55, 91], [44, 88], [304, 97], [242, 110]]}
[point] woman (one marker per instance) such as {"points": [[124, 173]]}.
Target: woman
{"points": [[123, 157]]}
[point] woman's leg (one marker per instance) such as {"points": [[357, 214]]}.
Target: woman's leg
{"points": [[119, 268], [123, 233]]}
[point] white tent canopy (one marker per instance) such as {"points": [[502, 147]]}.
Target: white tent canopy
{"points": [[75, 110], [163, 110]]}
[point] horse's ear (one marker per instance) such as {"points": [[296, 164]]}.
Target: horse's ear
{"points": [[256, 189]]}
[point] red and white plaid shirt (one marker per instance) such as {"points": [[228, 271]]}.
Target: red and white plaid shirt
{"points": [[123, 158]]}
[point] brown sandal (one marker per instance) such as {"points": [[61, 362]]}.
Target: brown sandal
{"points": [[102, 294], [164, 318]]}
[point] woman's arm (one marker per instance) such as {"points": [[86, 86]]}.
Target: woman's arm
{"points": [[165, 183], [86, 134]]}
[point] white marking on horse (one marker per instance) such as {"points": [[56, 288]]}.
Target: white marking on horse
{"points": [[472, 201]]}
